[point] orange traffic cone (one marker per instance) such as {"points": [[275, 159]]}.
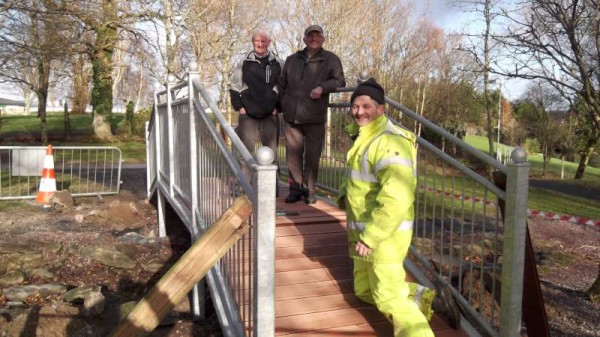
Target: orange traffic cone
{"points": [[48, 182]]}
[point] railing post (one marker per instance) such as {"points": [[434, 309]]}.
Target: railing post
{"points": [[198, 295], [263, 181], [170, 81], [162, 231], [515, 225], [328, 134]]}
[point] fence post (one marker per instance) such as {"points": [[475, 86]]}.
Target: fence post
{"points": [[264, 183], [515, 225]]}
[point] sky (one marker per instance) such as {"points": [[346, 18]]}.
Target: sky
{"points": [[443, 14], [451, 18]]}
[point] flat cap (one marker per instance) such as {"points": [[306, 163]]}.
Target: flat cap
{"points": [[313, 28]]}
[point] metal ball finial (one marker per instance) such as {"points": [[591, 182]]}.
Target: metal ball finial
{"points": [[264, 155], [363, 76], [193, 66], [171, 78], [157, 86], [518, 155]]}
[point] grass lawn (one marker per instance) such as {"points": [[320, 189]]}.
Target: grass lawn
{"points": [[547, 200], [134, 151]]}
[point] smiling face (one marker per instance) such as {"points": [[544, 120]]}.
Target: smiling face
{"points": [[365, 110], [314, 41], [260, 43]]}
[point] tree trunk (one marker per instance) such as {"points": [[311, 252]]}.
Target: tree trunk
{"points": [[594, 291], [67, 120], [101, 56], [42, 95], [43, 82], [81, 86], [585, 158]]}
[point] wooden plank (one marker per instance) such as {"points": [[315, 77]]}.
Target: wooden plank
{"points": [[307, 305], [304, 263], [323, 288], [312, 275], [187, 271], [326, 320], [309, 229], [312, 252], [307, 240], [378, 329]]}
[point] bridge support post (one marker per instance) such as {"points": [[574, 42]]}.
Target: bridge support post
{"points": [[515, 231], [264, 183]]}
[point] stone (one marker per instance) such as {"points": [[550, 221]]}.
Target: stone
{"points": [[14, 247], [12, 278], [67, 226], [93, 304], [133, 237], [109, 256], [79, 218], [81, 292], [21, 293], [62, 198], [26, 261], [52, 247], [40, 272]]}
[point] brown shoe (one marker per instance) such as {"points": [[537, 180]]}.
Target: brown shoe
{"points": [[445, 304]]}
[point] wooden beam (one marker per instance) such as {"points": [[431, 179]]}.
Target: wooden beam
{"points": [[189, 269]]}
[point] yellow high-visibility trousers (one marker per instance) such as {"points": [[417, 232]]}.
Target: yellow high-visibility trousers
{"points": [[384, 285]]}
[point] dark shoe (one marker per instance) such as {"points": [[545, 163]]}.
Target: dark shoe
{"points": [[445, 304], [292, 198], [311, 199]]}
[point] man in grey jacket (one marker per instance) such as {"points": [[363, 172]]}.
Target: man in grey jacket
{"points": [[307, 78]]}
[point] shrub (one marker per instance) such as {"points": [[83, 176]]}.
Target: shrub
{"points": [[532, 146]]}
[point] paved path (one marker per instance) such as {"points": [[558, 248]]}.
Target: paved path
{"points": [[567, 188]]}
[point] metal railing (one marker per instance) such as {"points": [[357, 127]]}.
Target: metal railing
{"points": [[194, 161], [460, 236], [82, 170]]}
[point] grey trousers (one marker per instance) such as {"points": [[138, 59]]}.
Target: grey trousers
{"points": [[253, 132], [303, 143]]}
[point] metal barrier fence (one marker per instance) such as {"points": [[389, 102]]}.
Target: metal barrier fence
{"points": [[194, 164], [82, 170], [460, 237]]}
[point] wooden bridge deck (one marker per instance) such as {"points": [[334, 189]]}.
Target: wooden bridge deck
{"points": [[313, 278]]}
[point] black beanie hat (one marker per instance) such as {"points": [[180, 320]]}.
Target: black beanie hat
{"points": [[370, 88]]}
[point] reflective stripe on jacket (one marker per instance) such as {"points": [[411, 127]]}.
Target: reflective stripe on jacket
{"points": [[378, 194]]}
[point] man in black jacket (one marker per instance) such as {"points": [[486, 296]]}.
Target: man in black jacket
{"points": [[254, 96], [307, 78]]}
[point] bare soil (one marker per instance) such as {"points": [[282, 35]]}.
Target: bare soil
{"points": [[101, 223], [568, 256]]}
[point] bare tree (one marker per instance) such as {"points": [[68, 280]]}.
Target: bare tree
{"points": [[480, 45], [32, 38], [559, 42], [535, 113]]}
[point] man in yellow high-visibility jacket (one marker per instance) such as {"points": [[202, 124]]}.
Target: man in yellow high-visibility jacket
{"points": [[378, 197]]}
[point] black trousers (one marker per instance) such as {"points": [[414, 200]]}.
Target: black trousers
{"points": [[303, 143]]}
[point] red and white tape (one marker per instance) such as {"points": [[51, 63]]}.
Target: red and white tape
{"points": [[547, 215]]}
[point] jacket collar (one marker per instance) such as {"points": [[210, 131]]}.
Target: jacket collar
{"points": [[374, 127], [252, 57], [304, 53]]}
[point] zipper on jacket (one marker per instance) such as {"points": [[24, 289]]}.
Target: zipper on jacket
{"points": [[267, 73]]}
